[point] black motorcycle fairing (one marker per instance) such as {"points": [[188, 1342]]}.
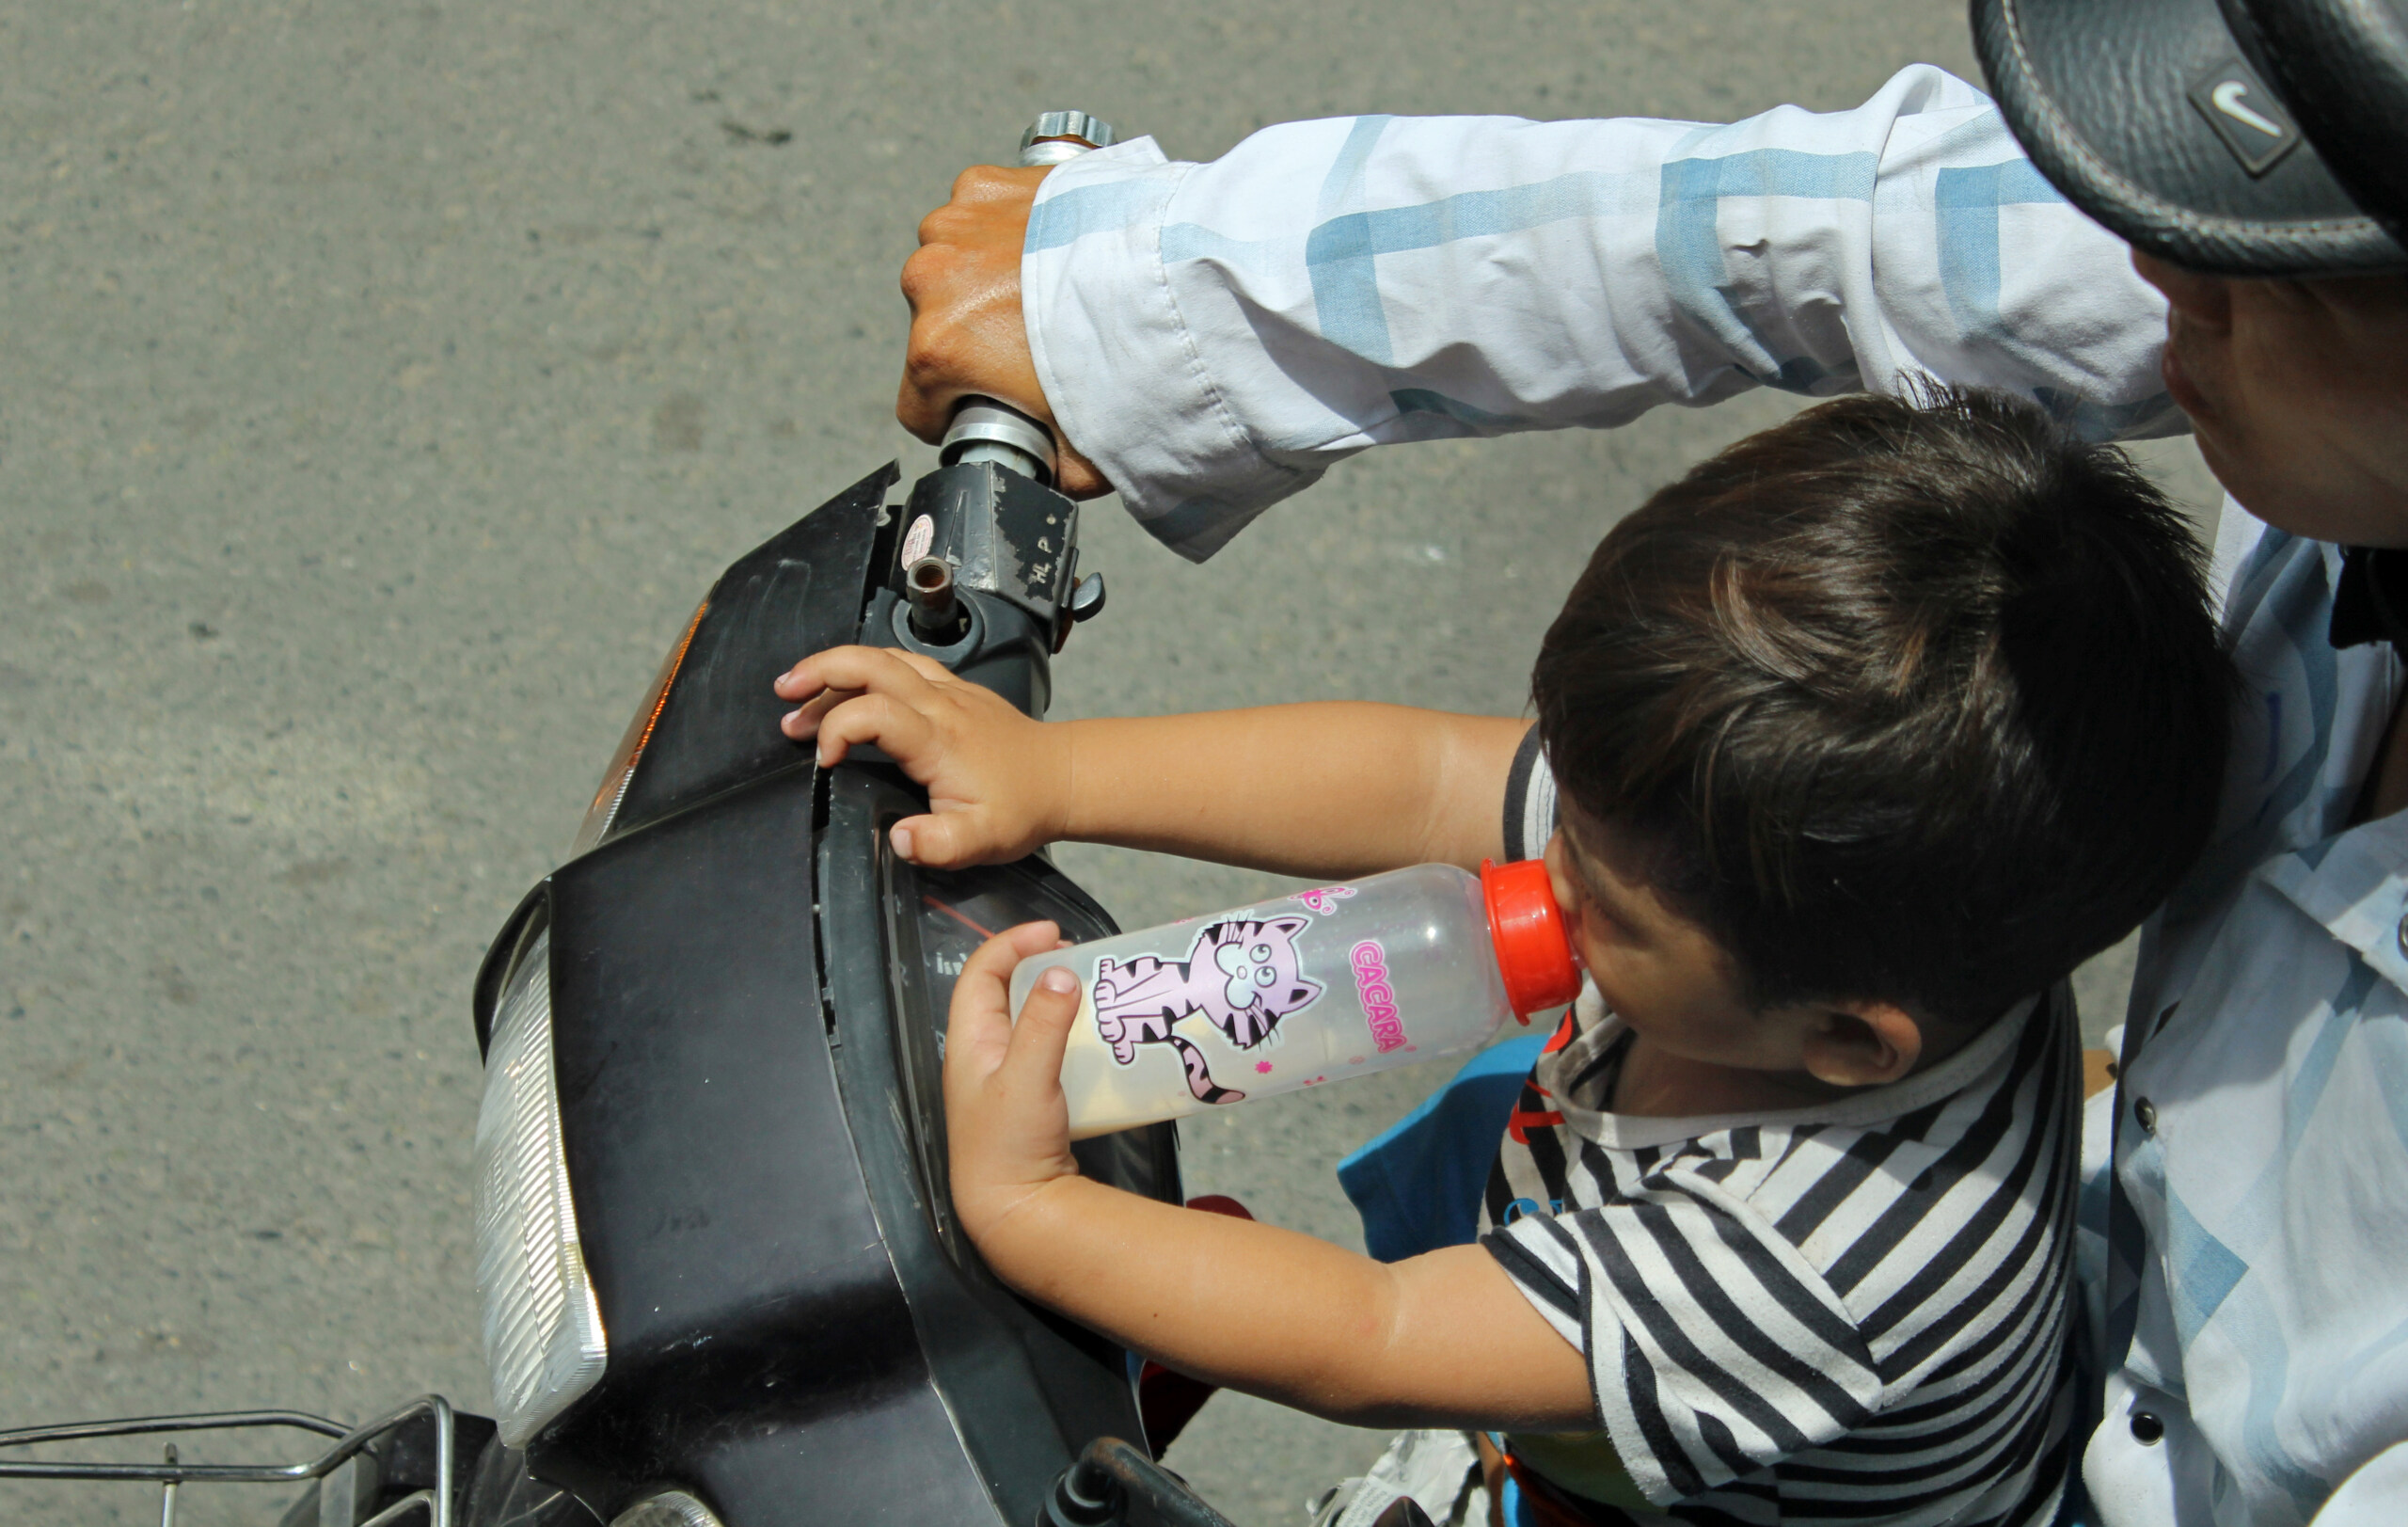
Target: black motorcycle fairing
{"points": [[760, 1347], [1025, 1389], [799, 592], [747, 990]]}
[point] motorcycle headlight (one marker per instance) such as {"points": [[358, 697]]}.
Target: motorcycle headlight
{"points": [[670, 1508], [542, 1326]]}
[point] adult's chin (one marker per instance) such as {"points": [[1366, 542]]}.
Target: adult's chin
{"points": [[2232, 474], [2285, 490]]}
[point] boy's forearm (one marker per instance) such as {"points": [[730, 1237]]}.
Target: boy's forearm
{"points": [[1336, 790], [1440, 1339], [1153, 1276]]}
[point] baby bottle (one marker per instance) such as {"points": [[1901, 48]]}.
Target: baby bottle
{"points": [[1329, 984]]}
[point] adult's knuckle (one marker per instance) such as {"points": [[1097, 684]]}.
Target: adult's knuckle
{"points": [[925, 344], [928, 269], [924, 375], [977, 183], [930, 359], [936, 225]]}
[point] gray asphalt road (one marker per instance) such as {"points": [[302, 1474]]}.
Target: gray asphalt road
{"points": [[383, 382]]}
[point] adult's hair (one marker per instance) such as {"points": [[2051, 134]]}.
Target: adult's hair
{"points": [[1919, 703]]}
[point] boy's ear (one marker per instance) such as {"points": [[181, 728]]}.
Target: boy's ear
{"points": [[1861, 1043]]}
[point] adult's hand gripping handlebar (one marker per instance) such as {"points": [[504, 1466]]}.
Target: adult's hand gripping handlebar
{"points": [[988, 429]]}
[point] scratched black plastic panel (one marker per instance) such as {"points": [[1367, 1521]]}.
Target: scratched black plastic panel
{"points": [[1026, 1389], [761, 1351], [799, 593]]}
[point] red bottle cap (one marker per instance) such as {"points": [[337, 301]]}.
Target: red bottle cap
{"points": [[1532, 949]]}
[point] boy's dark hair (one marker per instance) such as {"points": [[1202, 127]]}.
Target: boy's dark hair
{"points": [[1916, 703]]}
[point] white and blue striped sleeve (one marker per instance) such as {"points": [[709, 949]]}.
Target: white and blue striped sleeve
{"points": [[1215, 335]]}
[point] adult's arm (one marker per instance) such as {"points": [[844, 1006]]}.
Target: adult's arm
{"points": [[1214, 337]]}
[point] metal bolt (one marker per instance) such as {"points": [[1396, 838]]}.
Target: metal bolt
{"points": [[936, 610]]}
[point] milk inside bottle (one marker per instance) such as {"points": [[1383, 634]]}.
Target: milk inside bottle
{"points": [[1338, 982]]}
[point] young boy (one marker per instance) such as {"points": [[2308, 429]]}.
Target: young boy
{"points": [[1867, 732]]}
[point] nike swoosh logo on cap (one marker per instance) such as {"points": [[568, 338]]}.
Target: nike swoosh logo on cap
{"points": [[2227, 97], [2244, 114]]}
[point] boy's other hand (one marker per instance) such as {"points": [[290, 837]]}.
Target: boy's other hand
{"points": [[1005, 1118], [968, 334], [998, 782]]}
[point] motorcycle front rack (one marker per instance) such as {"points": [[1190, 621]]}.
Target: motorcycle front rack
{"points": [[433, 1505]]}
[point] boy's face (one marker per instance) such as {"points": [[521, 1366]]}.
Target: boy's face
{"points": [[1659, 972], [1673, 984]]}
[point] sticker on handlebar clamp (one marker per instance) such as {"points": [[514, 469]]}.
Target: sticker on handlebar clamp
{"points": [[1241, 977], [916, 541]]}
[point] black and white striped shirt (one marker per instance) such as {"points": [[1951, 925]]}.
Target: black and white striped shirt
{"points": [[1853, 1312]]}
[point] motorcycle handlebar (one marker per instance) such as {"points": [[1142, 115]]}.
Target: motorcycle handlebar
{"points": [[1111, 1475], [989, 429]]}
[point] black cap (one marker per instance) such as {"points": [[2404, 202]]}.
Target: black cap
{"points": [[2247, 137]]}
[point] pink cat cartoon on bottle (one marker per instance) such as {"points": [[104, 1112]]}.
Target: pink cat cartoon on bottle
{"points": [[1242, 976]]}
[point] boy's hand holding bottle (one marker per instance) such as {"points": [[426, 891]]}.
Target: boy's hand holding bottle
{"points": [[1007, 1123], [1441, 1337]]}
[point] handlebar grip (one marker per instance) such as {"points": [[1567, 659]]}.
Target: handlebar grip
{"points": [[988, 429]]}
